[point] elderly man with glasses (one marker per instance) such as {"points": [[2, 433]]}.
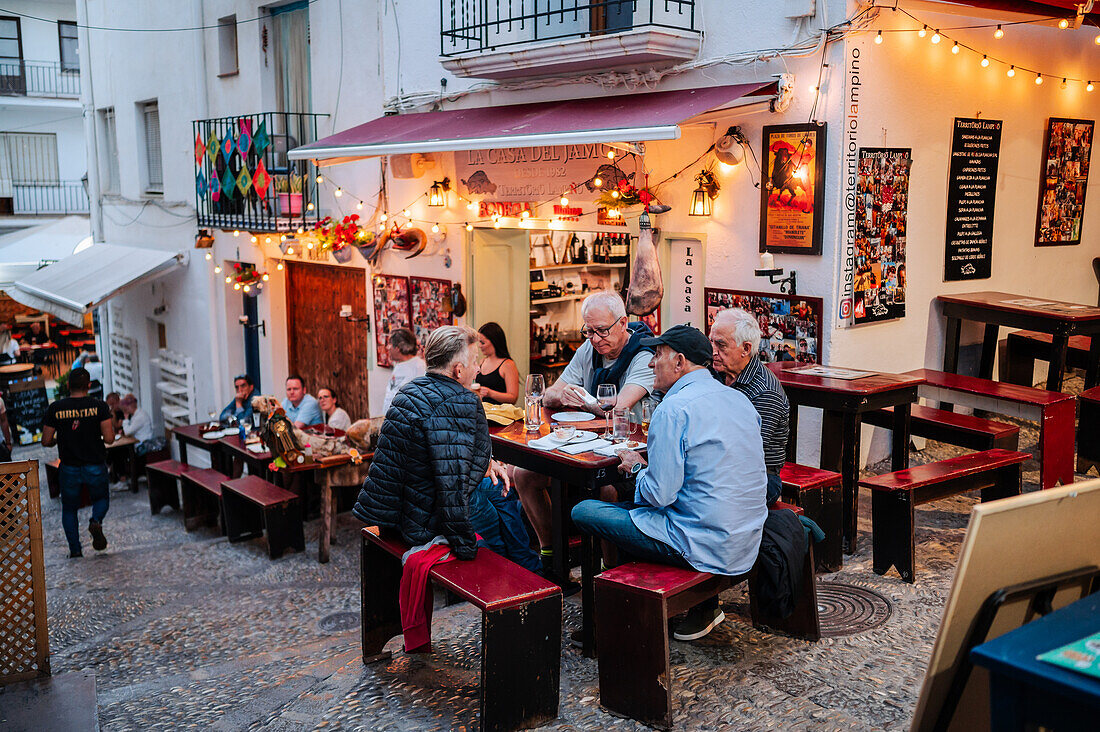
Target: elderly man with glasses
{"points": [[611, 354]]}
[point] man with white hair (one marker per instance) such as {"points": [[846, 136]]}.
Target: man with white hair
{"points": [[612, 353], [433, 477], [735, 336]]}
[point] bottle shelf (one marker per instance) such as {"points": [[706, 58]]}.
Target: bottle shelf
{"points": [[583, 267], [563, 298]]}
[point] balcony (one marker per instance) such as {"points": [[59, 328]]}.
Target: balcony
{"points": [[44, 79], [243, 179], [45, 199], [507, 39]]}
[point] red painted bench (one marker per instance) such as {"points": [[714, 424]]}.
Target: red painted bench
{"points": [[251, 504], [1088, 430], [520, 626], [633, 605], [162, 477], [964, 430], [1027, 346], [818, 492], [894, 496], [202, 497], [1052, 410]]}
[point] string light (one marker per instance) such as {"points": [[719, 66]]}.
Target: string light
{"points": [[611, 153], [383, 217], [265, 277], [985, 61], [359, 205], [228, 279], [209, 256], [217, 269], [236, 232], [435, 228], [282, 238], [1011, 71], [301, 230], [1038, 79], [1096, 40], [564, 201], [1063, 24], [236, 285], [405, 213], [279, 266], [526, 214], [1063, 85], [936, 36], [290, 250], [246, 288], [496, 223], [338, 192], [922, 32], [955, 48], [254, 240], [1088, 87], [267, 240], [597, 181], [999, 33], [309, 206], [320, 179], [471, 206], [614, 194], [878, 38], [469, 226]]}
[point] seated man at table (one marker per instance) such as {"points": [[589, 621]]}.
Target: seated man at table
{"points": [[611, 354], [36, 336], [432, 475], [301, 408], [138, 424], [699, 503], [735, 336], [241, 406], [402, 349]]}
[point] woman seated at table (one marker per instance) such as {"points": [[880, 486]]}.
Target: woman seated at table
{"points": [[9, 347], [498, 379], [335, 416]]}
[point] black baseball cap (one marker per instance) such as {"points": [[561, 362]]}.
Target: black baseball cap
{"points": [[686, 340]]}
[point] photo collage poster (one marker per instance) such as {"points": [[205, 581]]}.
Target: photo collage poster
{"points": [[430, 301], [1064, 178], [882, 200], [391, 311], [790, 325]]}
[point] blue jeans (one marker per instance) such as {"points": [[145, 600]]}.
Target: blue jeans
{"points": [[497, 518], [72, 477], [775, 488], [612, 522]]}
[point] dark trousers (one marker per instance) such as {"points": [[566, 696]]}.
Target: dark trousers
{"points": [[498, 520], [71, 478]]}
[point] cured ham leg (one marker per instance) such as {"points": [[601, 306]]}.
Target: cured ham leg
{"points": [[646, 289]]}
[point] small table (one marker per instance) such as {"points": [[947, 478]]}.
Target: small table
{"points": [[585, 473], [298, 478], [237, 455], [1060, 319], [127, 445], [842, 401], [1025, 691], [192, 434]]}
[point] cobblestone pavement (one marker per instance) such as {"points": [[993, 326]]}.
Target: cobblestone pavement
{"points": [[188, 631]]}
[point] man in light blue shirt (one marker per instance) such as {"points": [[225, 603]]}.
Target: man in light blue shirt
{"points": [[301, 408], [700, 502]]}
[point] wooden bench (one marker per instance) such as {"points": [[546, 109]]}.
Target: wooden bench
{"points": [[1027, 346], [1088, 430], [521, 615], [202, 497], [1053, 411], [249, 504], [818, 492], [964, 430], [894, 497], [162, 477], [634, 603]]}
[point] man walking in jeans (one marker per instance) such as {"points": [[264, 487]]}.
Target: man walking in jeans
{"points": [[81, 428]]}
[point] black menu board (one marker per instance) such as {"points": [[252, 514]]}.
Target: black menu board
{"points": [[971, 191], [27, 403]]}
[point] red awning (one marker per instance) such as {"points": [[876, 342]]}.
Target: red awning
{"points": [[624, 118]]}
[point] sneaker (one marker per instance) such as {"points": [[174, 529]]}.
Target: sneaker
{"points": [[74, 555], [99, 541], [576, 639], [700, 620]]}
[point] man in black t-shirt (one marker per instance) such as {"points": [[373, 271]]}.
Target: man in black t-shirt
{"points": [[81, 428]]}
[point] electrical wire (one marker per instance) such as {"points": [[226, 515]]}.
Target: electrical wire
{"points": [[53, 21]]}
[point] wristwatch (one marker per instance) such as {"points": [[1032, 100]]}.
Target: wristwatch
{"points": [[635, 468]]}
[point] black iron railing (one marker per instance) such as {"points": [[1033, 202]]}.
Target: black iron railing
{"points": [[483, 25], [243, 179], [62, 197], [38, 79]]}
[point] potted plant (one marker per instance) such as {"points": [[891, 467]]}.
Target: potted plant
{"points": [[288, 190], [338, 237]]}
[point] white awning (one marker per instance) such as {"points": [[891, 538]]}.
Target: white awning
{"points": [[80, 282]]}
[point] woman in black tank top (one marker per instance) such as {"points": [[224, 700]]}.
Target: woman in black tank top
{"points": [[498, 381]]}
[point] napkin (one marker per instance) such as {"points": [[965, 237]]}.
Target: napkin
{"points": [[549, 442], [503, 414], [610, 450], [577, 448]]}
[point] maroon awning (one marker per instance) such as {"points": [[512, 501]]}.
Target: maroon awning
{"points": [[623, 118]]}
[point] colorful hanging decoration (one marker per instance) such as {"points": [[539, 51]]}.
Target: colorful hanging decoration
{"points": [[261, 179], [244, 181], [229, 183], [260, 141], [200, 184], [200, 149], [229, 145], [244, 276], [245, 125], [212, 145], [214, 187], [244, 141]]}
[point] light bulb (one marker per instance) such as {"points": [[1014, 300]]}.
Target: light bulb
{"points": [[279, 266], [496, 224], [955, 48], [228, 280], [999, 33], [1063, 85], [236, 232], [267, 240], [309, 246], [813, 88], [471, 206], [209, 256], [320, 179], [282, 238], [614, 194], [338, 192], [564, 201], [1038, 79], [236, 285], [469, 227], [217, 269], [1063, 24], [301, 230], [254, 240], [878, 38], [923, 32], [936, 37], [495, 217], [526, 214], [247, 288], [383, 217], [359, 205], [1096, 40], [266, 277], [290, 250], [597, 181], [435, 228], [985, 62], [309, 206], [405, 213], [1011, 71], [1088, 87], [610, 154]]}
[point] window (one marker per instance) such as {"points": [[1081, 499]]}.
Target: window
{"points": [[66, 35], [12, 79], [32, 157], [227, 45], [154, 174], [109, 151]]}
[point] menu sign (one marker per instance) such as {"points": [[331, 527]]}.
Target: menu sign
{"points": [[971, 191]]}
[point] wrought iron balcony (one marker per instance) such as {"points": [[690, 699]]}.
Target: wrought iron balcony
{"points": [[45, 79], [515, 31], [57, 198], [243, 179]]}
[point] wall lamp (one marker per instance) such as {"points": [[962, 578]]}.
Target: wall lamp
{"points": [[437, 194], [775, 274]]}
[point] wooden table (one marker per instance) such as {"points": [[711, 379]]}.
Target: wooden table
{"points": [[128, 446], [842, 401], [192, 434], [299, 478], [1060, 319], [237, 456], [584, 473]]}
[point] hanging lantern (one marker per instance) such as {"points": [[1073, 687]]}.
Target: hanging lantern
{"points": [[437, 194], [704, 193]]}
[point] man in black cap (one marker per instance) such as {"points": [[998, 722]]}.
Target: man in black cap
{"points": [[699, 502]]}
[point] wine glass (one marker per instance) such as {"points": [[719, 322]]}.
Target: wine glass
{"points": [[647, 413], [536, 385], [606, 396], [532, 402], [213, 418]]}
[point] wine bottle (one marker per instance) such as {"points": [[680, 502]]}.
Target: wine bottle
{"points": [[582, 254]]}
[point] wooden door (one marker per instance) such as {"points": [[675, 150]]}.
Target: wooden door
{"points": [[500, 289], [325, 349]]}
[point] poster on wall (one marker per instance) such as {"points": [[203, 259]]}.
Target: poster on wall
{"points": [[790, 325], [792, 194], [391, 311], [882, 199], [430, 300], [971, 193], [1063, 178]]}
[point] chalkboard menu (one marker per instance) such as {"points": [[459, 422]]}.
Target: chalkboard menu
{"points": [[971, 191], [26, 403]]}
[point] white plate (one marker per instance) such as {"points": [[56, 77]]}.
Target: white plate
{"points": [[257, 448], [571, 417], [212, 435]]}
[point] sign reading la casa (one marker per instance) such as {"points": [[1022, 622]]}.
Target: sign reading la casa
{"points": [[539, 173]]}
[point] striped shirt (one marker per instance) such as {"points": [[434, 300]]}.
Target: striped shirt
{"points": [[759, 384]]}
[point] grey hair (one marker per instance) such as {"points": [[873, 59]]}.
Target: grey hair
{"points": [[608, 300], [744, 327], [448, 344], [404, 341]]}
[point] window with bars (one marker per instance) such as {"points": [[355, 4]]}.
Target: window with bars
{"points": [[154, 173], [66, 36], [31, 157], [109, 150]]}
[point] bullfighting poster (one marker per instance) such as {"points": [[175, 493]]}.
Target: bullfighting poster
{"points": [[1063, 179], [792, 192], [882, 195]]}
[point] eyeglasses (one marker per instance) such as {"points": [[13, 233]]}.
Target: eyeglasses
{"points": [[588, 332]]}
